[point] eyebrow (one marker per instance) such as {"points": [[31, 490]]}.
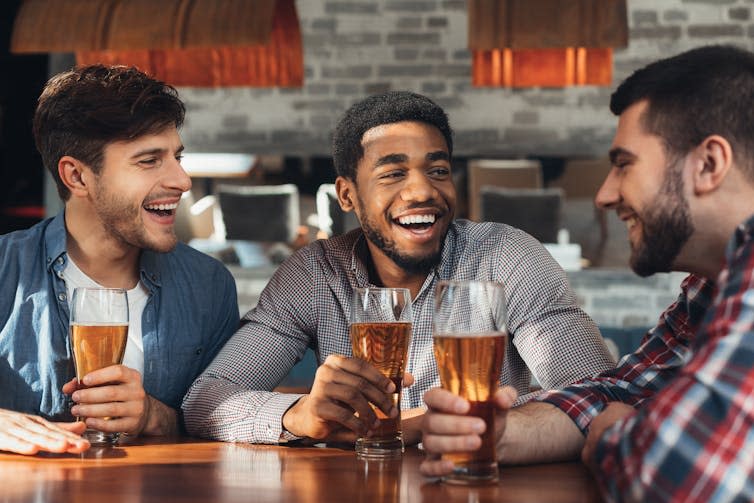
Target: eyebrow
{"points": [[399, 158], [440, 155], [616, 152], [154, 151], [391, 159]]}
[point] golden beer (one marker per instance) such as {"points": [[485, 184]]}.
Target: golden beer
{"points": [[385, 346], [97, 346], [470, 366]]}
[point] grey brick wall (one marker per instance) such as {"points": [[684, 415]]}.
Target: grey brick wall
{"points": [[612, 297], [359, 47]]}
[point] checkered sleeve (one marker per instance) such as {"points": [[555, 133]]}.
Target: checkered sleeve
{"points": [[556, 340], [641, 374], [233, 399]]}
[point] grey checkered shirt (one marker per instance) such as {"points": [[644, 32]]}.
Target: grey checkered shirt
{"points": [[306, 304]]}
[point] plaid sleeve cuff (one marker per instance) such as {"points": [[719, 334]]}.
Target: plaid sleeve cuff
{"points": [[581, 403]]}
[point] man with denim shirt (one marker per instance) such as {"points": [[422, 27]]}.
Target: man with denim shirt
{"points": [[109, 137], [675, 420]]}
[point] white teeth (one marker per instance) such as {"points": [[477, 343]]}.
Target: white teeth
{"points": [[630, 222], [417, 219], [163, 207]]}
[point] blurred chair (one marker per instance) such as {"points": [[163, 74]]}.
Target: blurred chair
{"points": [[580, 181], [331, 219], [536, 211], [255, 217], [194, 219], [510, 173]]}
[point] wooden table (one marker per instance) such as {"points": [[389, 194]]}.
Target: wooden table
{"points": [[201, 471]]}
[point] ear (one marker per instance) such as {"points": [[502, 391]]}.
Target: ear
{"points": [[714, 160], [74, 175], [346, 191]]}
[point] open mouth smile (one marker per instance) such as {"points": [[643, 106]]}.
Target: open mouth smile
{"points": [[416, 222], [161, 210]]}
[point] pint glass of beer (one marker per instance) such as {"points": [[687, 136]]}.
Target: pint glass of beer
{"points": [[99, 331], [380, 334], [470, 337]]}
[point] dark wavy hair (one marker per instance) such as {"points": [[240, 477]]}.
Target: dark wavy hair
{"points": [[695, 94], [83, 110], [387, 108]]}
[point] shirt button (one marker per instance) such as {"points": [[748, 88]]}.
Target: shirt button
{"points": [[60, 260], [61, 297]]}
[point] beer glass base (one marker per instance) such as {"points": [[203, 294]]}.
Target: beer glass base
{"points": [[101, 438], [473, 475], [371, 448]]}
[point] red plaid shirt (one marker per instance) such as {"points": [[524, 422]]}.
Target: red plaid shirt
{"points": [[692, 439]]}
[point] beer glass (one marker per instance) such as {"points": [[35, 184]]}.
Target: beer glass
{"points": [[470, 337], [99, 331], [380, 334]]}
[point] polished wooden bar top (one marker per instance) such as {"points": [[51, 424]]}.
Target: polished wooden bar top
{"points": [[168, 470]]}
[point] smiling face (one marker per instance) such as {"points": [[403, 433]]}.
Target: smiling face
{"points": [[138, 189], [646, 190], [403, 195]]}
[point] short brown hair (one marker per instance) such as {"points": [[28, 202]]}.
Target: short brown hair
{"points": [[83, 110], [704, 91]]}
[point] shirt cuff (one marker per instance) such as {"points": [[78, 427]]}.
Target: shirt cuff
{"points": [[580, 403], [269, 427]]}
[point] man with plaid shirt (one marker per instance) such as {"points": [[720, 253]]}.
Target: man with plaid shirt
{"points": [[675, 420]]}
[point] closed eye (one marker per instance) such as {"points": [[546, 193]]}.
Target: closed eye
{"points": [[439, 171], [150, 162]]}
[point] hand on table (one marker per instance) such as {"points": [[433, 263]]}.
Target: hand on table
{"points": [[446, 428], [342, 387], [115, 392], [28, 434], [613, 413]]}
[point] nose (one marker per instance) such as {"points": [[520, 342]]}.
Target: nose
{"points": [[418, 188], [179, 179], [608, 195]]}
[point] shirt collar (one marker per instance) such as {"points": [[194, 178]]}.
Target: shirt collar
{"points": [[55, 250], [54, 239], [741, 236]]}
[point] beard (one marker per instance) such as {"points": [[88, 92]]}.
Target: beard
{"points": [[666, 228], [122, 220], [409, 263]]}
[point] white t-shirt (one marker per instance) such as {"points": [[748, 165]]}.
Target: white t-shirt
{"points": [[137, 299]]}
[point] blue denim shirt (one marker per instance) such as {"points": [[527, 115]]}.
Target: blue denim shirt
{"points": [[191, 311]]}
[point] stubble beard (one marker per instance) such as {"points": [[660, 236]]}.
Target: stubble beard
{"points": [[122, 220], [409, 263], [666, 227]]}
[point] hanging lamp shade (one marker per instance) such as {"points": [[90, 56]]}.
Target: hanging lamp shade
{"points": [[203, 43], [552, 43]]}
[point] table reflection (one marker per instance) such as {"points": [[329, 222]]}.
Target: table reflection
{"points": [[157, 470]]}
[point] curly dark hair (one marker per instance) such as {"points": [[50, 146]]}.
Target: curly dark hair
{"points": [[695, 94], [387, 108], [83, 110]]}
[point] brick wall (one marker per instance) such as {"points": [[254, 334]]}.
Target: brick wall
{"points": [[356, 48], [613, 298]]}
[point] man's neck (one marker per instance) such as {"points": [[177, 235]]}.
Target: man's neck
{"points": [[105, 259], [386, 273]]}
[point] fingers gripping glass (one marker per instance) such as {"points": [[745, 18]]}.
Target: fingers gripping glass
{"points": [[99, 331], [380, 334], [470, 339]]}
